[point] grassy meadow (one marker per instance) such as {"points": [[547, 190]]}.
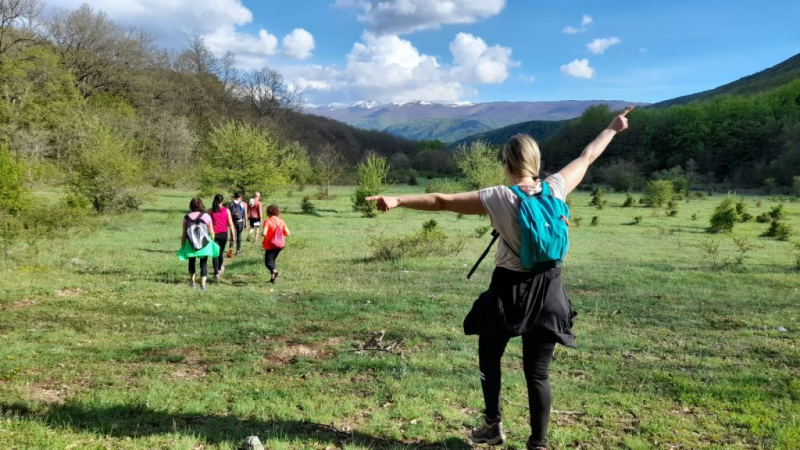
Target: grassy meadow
{"points": [[104, 346]]}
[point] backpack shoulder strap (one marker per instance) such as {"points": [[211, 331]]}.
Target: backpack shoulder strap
{"points": [[520, 193], [495, 235], [545, 188]]}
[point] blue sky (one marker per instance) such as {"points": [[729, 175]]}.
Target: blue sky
{"points": [[482, 50]]}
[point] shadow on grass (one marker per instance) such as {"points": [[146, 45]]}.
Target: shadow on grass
{"points": [[123, 421]]}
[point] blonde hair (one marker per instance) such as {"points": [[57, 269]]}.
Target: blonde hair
{"points": [[521, 157]]}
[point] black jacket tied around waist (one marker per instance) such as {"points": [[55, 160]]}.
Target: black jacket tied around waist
{"points": [[524, 301]]}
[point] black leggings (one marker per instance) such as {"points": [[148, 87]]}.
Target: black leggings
{"points": [[239, 229], [203, 266], [222, 240], [269, 258], [537, 351]]}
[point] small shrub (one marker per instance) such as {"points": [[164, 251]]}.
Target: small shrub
{"points": [[776, 213], [430, 241], [629, 201], [595, 221], [698, 195], [372, 180], [770, 184], [743, 246], [659, 192], [724, 217], [481, 231], [796, 185], [412, 181], [746, 217], [711, 249], [672, 213], [577, 220], [763, 218], [741, 207], [637, 220], [758, 204], [307, 207], [710, 192], [778, 230], [445, 186], [694, 216]]}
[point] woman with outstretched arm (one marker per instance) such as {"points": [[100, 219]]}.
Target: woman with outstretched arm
{"points": [[538, 289]]}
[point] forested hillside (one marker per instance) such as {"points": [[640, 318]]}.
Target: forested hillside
{"points": [[445, 130], [539, 129], [765, 80], [741, 141], [81, 93]]}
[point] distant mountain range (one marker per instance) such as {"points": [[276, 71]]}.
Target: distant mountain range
{"points": [[451, 121]]}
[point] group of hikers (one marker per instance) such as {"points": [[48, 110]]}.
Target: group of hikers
{"points": [[205, 234], [525, 296]]}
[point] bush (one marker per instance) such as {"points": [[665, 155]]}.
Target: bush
{"points": [[595, 221], [746, 217], [776, 213], [659, 192], [778, 230], [412, 181], [770, 184], [372, 173], [445, 186], [13, 193], [307, 207], [694, 216], [676, 176], [430, 241], [481, 231], [741, 207], [597, 199], [480, 163], [630, 202], [622, 175], [796, 185], [105, 170], [637, 220], [725, 216], [577, 220], [672, 208]]}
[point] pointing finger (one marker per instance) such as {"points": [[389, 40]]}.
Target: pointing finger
{"points": [[627, 110], [371, 199]]}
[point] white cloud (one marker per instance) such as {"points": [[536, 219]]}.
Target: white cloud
{"points": [[298, 44], [173, 22], [388, 68], [599, 46], [407, 16], [572, 30], [476, 61], [579, 69], [587, 20], [526, 78], [643, 50]]}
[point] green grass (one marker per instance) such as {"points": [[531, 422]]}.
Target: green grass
{"points": [[115, 351]]}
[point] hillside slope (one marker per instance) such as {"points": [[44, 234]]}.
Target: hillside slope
{"points": [[445, 130], [538, 129], [768, 79]]}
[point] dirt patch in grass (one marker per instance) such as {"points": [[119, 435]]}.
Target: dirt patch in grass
{"points": [[48, 393], [69, 292], [286, 351], [586, 292], [22, 304]]}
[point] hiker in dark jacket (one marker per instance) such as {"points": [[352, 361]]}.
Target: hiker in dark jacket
{"points": [[519, 302]]}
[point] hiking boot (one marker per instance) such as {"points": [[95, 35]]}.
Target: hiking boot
{"points": [[274, 277], [191, 284], [490, 432], [202, 288], [529, 446], [238, 252]]}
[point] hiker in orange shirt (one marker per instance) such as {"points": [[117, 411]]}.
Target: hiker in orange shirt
{"points": [[275, 233]]}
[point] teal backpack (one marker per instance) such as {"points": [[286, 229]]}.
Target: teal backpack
{"points": [[543, 226]]}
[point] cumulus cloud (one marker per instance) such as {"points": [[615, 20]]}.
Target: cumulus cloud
{"points": [[579, 69], [407, 16], [476, 61], [174, 22], [599, 46], [586, 21], [389, 68], [298, 44]]}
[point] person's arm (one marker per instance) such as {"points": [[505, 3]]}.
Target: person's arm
{"points": [[245, 214], [464, 203], [230, 224], [574, 172], [210, 227]]}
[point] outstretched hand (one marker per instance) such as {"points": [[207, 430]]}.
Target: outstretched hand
{"points": [[384, 203], [620, 123]]}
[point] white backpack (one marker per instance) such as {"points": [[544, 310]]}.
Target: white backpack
{"points": [[197, 232]]}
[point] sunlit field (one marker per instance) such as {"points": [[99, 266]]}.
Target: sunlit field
{"points": [[103, 344]]}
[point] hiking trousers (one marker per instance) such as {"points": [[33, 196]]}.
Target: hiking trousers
{"points": [[537, 352], [222, 240], [239, 228], [203, 266], [270, 256]]}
